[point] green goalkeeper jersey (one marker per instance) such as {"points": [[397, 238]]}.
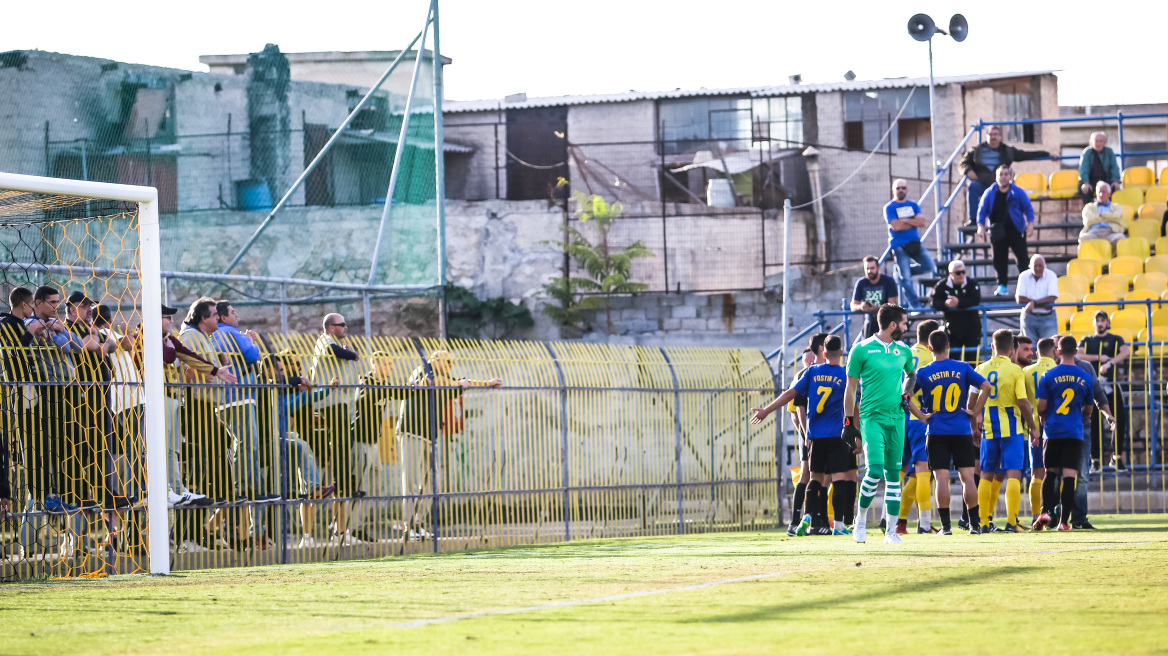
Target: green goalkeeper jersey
{"points": [[881, 368]]}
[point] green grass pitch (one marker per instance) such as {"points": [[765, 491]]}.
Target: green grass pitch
{"points": [[1103, 591]]}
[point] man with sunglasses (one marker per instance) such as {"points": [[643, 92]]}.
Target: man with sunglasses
{"points": [[953, 297], [904, 219]]}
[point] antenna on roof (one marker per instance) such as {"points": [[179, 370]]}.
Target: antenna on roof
{"points": [[795, 79], [849, 76]]}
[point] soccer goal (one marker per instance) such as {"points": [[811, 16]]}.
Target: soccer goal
{"points": [[82, 412]]}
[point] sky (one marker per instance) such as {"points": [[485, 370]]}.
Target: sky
{"points": [[546, 48]]}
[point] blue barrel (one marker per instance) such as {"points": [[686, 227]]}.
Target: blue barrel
{"points": [[253, 194]]}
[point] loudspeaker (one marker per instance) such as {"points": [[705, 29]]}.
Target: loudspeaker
{"points": [[958, 27], [921, 27]]}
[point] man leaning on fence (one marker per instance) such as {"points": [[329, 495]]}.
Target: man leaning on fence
{"points": [[912, 259], [953, 297], [871, 291], [16, 342], [414, 432], [980, 162], [1038, 291], [239, 408], [1106, 351]]}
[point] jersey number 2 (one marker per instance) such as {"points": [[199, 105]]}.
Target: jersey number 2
{"points": [[1065, 408]]}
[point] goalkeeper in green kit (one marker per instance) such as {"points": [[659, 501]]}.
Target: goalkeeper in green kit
{"points": [[879, 365]]}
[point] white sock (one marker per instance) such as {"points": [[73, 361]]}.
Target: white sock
{"points": [[839, 526], [926, 518], [862, 518]]}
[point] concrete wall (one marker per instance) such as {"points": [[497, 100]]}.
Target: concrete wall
{"points": [[482, 174]]}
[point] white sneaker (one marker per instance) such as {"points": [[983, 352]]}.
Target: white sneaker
{"points": [[859, 534], [346, 539], [190, 546], [892, 538], [173, 499], [310, 542], [192, 496]]}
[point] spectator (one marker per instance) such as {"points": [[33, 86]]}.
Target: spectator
{"points": [[1098, 164], [1078, 516], [953, 297], [208, 440], [1007, 210], [16, 342], [872, 291], [912, 259], [1106, 351], [293, 394], [53, 343], [415, 436], [980, 163], [1102, 219], [1038, 291], [125, 404], [239, 407], [333, 361]]}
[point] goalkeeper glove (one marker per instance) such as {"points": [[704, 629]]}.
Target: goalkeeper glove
{"points": [[904, 402], [851, 434]]}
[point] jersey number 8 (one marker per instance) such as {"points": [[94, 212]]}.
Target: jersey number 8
{"points": [[993, 378]]}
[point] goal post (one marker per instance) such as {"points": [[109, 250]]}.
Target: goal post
{"points": [[27, 195]]}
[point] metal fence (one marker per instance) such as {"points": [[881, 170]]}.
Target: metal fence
{"points": [[395, 453]]}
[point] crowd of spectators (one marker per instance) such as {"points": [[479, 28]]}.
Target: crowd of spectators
{"points": [[245, 426]]}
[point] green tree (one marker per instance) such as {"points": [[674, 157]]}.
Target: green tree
{"points": [[494, 318], [607, 269]]}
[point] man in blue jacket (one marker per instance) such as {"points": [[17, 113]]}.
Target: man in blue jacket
{"points": [[239, 408], [1098, 164], [1006, 210]]}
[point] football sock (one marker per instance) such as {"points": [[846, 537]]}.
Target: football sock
{"points": [[1013, 500], [868, 490], [839, 500], [850, 502], [944, 514], [997, 492], [924, 498], [1035, 496], [892, 494], [1050, 492], [1068, 499], [797, 503], [813, 490], [973, 517], [831, 500], [985, 491], [909, 493]]}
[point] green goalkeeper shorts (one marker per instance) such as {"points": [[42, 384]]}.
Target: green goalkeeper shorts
{"points": [[883, 442]]}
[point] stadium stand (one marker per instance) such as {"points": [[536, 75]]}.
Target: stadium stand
{"points": [[1138, 178]]}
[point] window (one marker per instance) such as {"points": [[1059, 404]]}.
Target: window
{"points": [[690, 123], [779, 120], [914, 133], [867, 114], [1013, 102]]}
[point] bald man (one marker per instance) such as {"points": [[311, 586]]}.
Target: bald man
{"points": [[1098, 163], [904, 219], [1037, 291]]}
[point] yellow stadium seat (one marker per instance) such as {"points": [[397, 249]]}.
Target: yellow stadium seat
{"points": [[1156, 195], [1152, 211], [1127, 334], [1127, 265], [1088, 268], [1157, 263], [1082, 323], [1164, 295], [1133, 197], [1064, 184], [1075, 285], [1113, 283], [1064, 312], [1152, 281], [1138, 177], [1033, 183], [1101, 297], [1129, 319], [1129, 215], [1147, 228], [1158, 334], [1162, 245], [1095, 249], [1141, 295], [1164, 175], [1134, 247], [1160, 317]]}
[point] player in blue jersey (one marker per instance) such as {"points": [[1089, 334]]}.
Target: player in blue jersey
{"points": [[944, 386], [1065, 397], [914, 469], [829, 458]]}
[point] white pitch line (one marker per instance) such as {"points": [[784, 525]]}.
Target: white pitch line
{"points": [[690, 588]]}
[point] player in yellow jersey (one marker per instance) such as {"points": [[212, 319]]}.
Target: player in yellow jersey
{"points": [[1033, 374], [1008, 422], [918, 483]]}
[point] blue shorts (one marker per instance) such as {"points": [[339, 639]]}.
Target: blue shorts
{"points": [[1036, 457], [914, 443], [1003, 453]]}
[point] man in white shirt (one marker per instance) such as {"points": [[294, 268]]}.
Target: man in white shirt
{"points": [[1038, 290]]}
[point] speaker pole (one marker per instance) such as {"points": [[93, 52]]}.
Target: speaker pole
{"points": [[933, 139]]}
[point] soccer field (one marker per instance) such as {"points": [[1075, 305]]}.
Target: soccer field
{"points": [[1102, 591]]}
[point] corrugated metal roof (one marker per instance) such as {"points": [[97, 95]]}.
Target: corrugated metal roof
{"points": [[455, 106]]}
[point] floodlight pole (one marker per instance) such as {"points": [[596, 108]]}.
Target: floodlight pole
{"points": [[401, 148], [933, 138]]}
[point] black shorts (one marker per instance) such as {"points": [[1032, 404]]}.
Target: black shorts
{"points": [[829, 455], [1062, 454], [946, 449], [803, 454]]}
